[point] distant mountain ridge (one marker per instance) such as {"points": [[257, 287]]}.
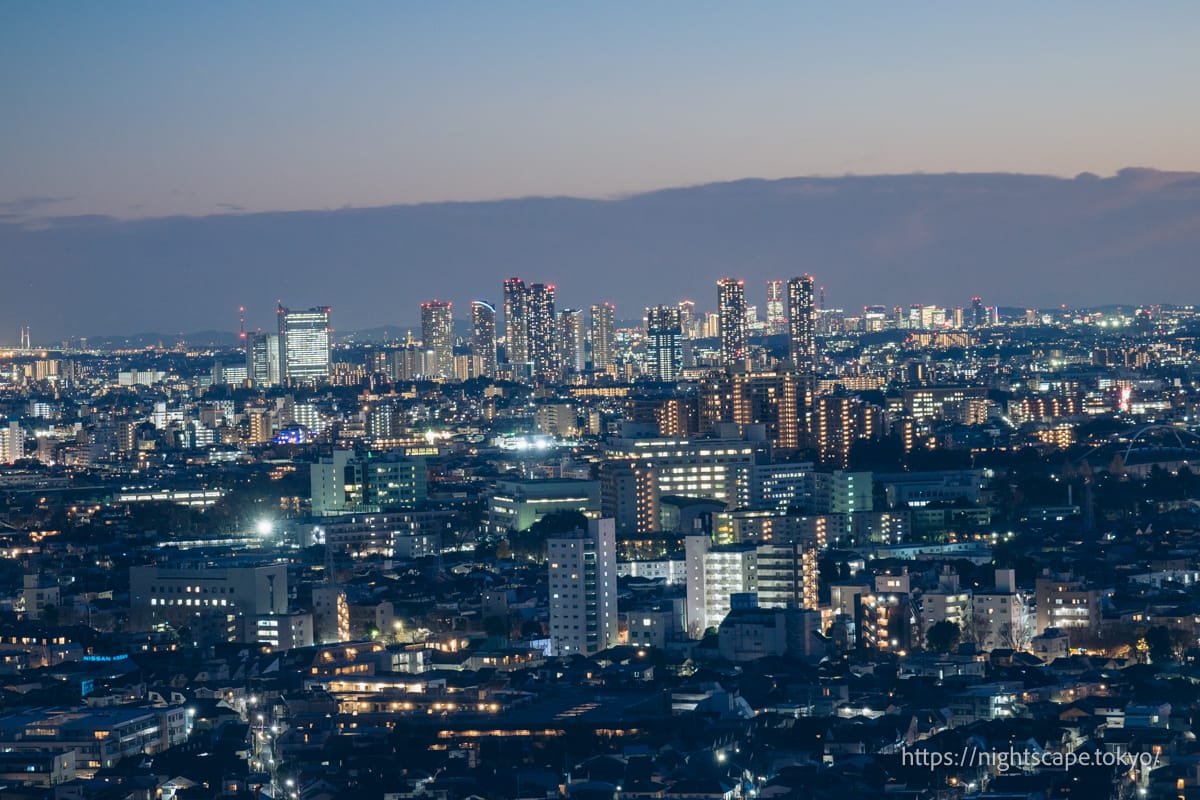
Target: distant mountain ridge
{"points": [[1015, 240]]}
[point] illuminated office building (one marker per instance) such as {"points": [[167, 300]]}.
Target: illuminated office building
{"points": [[262, 358], [664, 356], [705, 468], [305, 345]]}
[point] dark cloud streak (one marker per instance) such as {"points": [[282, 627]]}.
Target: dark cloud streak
{"points": [[1014, 239]]}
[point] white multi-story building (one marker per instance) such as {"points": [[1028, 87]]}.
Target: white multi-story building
{"points": [[1065, 602], [949, 602], [12, 443], [1001, 617], [780, 575], [583, 589]]}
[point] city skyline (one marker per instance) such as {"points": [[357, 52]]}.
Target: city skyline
{"points": [[599, 402]]}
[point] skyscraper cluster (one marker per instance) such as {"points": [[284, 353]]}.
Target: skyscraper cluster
{"points": [[800, 322], [529, 329]]}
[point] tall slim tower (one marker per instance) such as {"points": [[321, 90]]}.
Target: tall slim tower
{"points": [[437, 336], [602, 336], [583, 589], [304, 344], [979, 314], [687, 318], [543, 349], [483, 336], [664, 357], [776, 321], [802, 324], [262, 358], [731, 305], [516, 321], [571, 340]]}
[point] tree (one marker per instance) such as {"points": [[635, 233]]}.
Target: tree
{"points": [[495, 625], [942, 637], [1018, 635], [1116, 467], [1158, 640]]}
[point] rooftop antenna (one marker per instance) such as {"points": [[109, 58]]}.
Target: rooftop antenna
{"points": [[242, 320], [822, 298]]}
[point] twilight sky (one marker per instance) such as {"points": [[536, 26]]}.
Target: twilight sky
{"points": [[143, 109]]}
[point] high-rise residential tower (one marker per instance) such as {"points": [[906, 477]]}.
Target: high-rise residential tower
{"points": [[483, 336], [802, 324], [602, 336], [516, 321], [304, 344], [437, 337], [571, 340], [776, 321], [542, 343], [664, 356], [731, 305]]}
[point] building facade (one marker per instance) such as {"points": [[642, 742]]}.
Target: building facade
{"points": [[304, 342], [582, 570]]}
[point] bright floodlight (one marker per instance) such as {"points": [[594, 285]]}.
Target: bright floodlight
{"points": [[264, 527]]}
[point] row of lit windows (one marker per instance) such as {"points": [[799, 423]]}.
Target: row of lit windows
{"points": [[193, 590], [188, 601]]}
